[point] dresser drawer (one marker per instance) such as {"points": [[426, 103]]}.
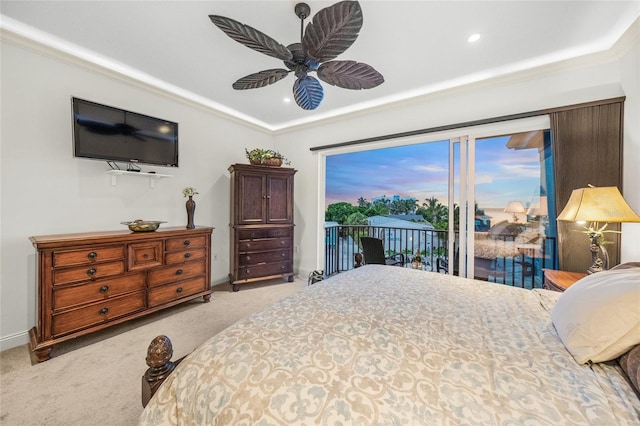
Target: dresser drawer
{"points": [[87, 256], [264, 257], [94, 291], [184, 256], [257, 234], [77, 319], [261, 245], [174, 244], [248, 272], [88, 272], [176, 272], [169, 292], [144, 255]]}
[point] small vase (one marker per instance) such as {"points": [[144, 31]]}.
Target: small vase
{"points": [[191, 208]]}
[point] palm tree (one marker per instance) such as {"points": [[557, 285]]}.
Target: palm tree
{"points": [[362, 202], [434, 212]]}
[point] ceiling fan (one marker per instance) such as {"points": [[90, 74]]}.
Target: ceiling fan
{"points": [[332, 31]]}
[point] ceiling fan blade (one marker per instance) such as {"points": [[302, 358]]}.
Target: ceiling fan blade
{"points": [[350, 75], [308, 93], [251, 37], [260, 79], [332, 30]]}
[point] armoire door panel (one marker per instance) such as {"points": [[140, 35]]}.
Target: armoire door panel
{"points": [[279, 208], [251, 199]]}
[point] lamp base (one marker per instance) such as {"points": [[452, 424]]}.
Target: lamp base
{"points": [[597, 264]]}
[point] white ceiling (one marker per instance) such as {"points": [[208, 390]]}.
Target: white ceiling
{"points": [[418, 46]]}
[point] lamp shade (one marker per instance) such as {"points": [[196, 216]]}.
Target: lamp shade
{"points": [[539, 208], [603, 204], [515, 207]]}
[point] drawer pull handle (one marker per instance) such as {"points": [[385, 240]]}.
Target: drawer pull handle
{"points": [[187, 242], [248, 258], [92, 255], [282, 243], [104, 311], [179, 272], [104, 289], [282, 254], [248, 245], [91, 271], [145, 256], [248, 271], [179, 290], [187, 255]]}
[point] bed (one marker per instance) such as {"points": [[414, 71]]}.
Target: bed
{"points": [[382, 345]]}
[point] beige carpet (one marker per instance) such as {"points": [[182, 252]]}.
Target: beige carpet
{"points": [[95, 380]]}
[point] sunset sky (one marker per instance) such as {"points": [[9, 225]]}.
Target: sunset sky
{"points": [[420, 171]]}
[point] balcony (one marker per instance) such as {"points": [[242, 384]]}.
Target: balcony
{"points": [[515, 260]]}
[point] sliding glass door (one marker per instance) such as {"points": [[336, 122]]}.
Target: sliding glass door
{"points": [[504, 187], [472, 202]]}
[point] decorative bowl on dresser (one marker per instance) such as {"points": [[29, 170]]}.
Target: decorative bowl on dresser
{"points": [[90, 281], [261, 223]]}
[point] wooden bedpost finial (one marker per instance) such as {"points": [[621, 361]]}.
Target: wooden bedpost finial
{"points": [[160, 352], [160, 365]]}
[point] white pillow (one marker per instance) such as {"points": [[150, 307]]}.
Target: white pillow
{"points": [[598, 317]]}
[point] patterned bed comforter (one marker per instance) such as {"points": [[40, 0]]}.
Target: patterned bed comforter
{"points": [[384, 345]]}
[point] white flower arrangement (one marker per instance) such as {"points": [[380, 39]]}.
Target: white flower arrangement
{"points": [[189, 191]]}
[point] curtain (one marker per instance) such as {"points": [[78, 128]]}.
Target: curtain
{"points": [[587, 146]]}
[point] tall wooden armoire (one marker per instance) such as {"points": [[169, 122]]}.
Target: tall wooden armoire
{"points": [[261, 223]]}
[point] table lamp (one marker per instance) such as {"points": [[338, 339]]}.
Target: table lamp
{"points": [[595, 205], [515, 207]]}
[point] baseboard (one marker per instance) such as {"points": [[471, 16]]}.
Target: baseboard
{"points": [[14, 340]]}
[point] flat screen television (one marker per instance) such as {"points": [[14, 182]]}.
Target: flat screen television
{"points": [[102, 132]]}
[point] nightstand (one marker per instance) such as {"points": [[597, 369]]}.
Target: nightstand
{"points": [[560, 280]]}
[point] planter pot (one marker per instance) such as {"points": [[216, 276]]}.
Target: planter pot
{"points": [[272, 162]]}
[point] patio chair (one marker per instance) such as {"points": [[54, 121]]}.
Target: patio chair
{"points": [[373, 252], [442, 264]]}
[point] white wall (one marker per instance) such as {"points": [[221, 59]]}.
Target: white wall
{"points": [[47, 191], [630, 81], [587, 79]]}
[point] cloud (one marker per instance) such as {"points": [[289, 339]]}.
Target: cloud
{"points": [[430, 168]]}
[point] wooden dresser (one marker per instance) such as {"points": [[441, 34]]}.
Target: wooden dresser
{"points": [[261, 223], [90, 281]]}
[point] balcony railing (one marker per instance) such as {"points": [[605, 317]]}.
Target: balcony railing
{"points": [[502, 259]]}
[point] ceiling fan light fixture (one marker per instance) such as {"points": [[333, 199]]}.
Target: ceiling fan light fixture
{"points": [[332, 31]]}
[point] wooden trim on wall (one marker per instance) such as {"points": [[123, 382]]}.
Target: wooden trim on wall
{"points": [[465, 124]]}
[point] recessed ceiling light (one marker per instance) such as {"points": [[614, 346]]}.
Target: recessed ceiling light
{"points": [[286, 100], [473, 38]]}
